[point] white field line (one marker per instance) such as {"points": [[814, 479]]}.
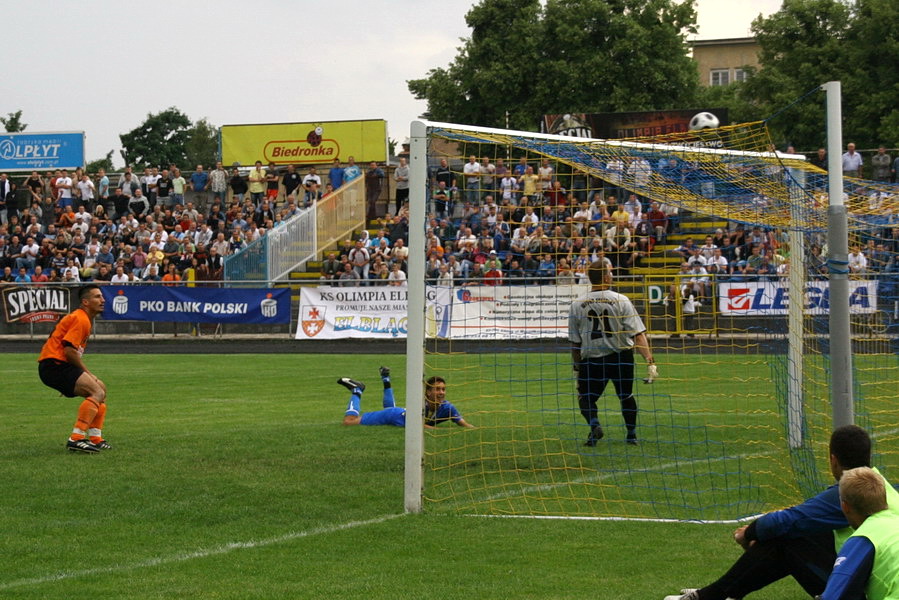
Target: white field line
{"points": [[201, 553], [545, 487]]}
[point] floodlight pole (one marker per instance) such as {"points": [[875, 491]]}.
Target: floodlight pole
{"points": [[841, 399], [415, 323]]}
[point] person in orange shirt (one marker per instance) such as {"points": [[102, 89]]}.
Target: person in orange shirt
{"points": [[171, 276], [61, 368]]}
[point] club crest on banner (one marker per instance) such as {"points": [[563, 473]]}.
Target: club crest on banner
{"points": [[313, 320]]}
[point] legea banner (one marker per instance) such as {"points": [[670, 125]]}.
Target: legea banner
{"points": [[754, 298], [476, 312], [305, 143], [196, 305], [40, 151]]}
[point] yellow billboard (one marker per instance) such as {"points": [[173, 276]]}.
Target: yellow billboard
{"points": [[305, 143]]}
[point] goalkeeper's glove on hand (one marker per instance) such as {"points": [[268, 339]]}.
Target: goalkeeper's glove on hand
{"points": [[652, 373]]}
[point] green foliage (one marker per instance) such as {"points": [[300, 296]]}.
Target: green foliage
{"points": [[13, 122], [523, 60], [101, 163], [810, 42], [161, 139], [202, 145]]}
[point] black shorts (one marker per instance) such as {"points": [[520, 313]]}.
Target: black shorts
{"points": [[595, 373], [59, 375]]}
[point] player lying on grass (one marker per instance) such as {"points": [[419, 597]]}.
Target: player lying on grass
{"points": [[437, 409], [61, 368], [802, 540], [868, 563]]}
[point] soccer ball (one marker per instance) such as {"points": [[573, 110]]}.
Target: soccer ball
{"points": [[704, 120]]}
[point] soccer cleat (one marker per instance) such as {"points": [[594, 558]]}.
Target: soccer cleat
{"points": [[596, 434], [103, 445], [351, 384], [384, 371], [632, 440], [81, 446], [688, 594]]}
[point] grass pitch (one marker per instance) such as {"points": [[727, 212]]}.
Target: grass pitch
{"points": [[231, 477]]}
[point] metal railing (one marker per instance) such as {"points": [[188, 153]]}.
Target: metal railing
{"points": [[301, 238]]}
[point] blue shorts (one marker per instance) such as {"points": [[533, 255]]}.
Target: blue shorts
{"points": [[395, 416]]}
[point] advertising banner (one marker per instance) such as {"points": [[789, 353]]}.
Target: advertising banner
{"points": [[477, 312], [513, 312], [305, 143], [41, 151], [266, 306], [35, 303], [328, 313], [754, 298], [610, 126]]}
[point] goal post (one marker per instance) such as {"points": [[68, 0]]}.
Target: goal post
{"points": [[737, 422]]}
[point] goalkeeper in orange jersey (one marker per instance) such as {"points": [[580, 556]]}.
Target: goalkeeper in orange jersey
{"points": [[61, 368]]}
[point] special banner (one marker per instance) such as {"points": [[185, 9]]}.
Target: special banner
{"points": [[34, 303], [305, 143], [754, 298], [477, 312], [196, 305]]}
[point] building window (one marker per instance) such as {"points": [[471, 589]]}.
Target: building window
{"points": [[740, 75], [719, 77]]}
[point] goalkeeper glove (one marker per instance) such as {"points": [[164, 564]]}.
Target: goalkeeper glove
{"points": [[652, 373]]}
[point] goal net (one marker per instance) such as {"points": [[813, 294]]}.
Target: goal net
{"points": [[739, 419]]}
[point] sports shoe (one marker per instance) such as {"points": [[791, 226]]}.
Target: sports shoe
{"points": [[384, 371], [596, 434], [687, 594], [81, 446], [103, 445], [632, 440], [351, 384]]}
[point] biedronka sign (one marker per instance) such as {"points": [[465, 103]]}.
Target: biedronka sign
{"points": [[305, 143]]}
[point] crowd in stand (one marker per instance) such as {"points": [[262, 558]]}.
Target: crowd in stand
{"points": [[489, 223], [162, 225]]}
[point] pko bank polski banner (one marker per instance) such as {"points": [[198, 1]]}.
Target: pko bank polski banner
{"points": [[196, 305], [755, 298], [40, 151], [475, 312]]}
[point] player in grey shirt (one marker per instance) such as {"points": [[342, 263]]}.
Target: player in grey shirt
{"points": [[604, 329]]}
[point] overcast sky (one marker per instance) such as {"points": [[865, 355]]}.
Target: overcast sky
{"points": [[101, 65]]}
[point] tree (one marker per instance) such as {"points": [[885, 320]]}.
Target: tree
{"points": [[202, 145], [523, 61], [13, 122], [160, 140], [101, 163], [810, 42]]}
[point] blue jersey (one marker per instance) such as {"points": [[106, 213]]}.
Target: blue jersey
{"points": [[395, 415], [851, 571], [350, 173], [335, 176], [445, 412], [818, 513]]}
